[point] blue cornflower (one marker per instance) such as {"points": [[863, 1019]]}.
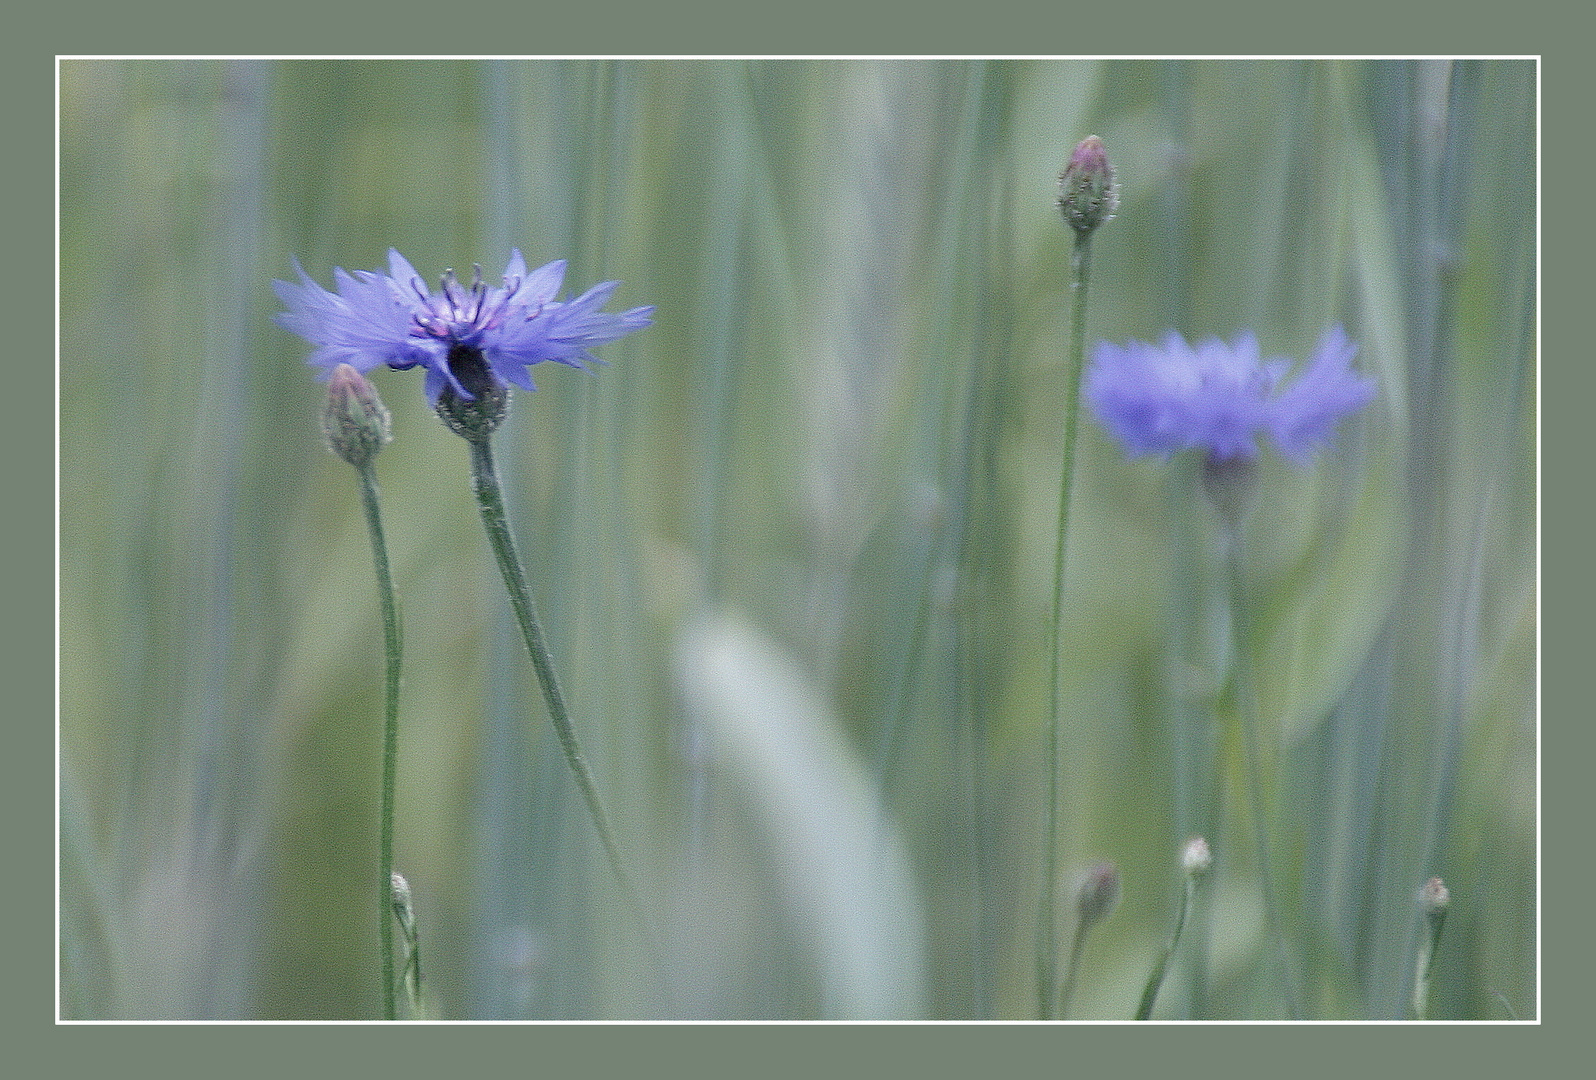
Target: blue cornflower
{"points": [[374, 319], [1219, 398]]}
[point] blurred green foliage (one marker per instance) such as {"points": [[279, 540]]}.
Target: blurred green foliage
{"points": [[792, 546]]}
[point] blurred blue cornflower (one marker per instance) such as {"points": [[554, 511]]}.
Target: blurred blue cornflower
{"points": [[1219, 398], [395, 320]]}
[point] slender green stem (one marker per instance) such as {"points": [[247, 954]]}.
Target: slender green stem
{"points": [[490, 500], [1426, 960], [1252, 750], [1047, 921], [1156, 980], [1421, 981], [1077, 946], [390, 730]]}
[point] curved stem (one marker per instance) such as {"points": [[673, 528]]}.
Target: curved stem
{"points": [[490, 501], [390, 730], [1077, 947], [1156, 980], [1047, 922]]}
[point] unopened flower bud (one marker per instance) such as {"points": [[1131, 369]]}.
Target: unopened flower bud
{"points": [[1195, 858], [1098, 893], [1433, 901], [354, 419], [1087, 193], [1434, 897]]}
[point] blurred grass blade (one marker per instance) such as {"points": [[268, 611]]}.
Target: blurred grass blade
{"points": [[845, 871]]}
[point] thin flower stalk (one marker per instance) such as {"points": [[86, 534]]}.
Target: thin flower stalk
{"points": [[1253, 755], [1047, 947], [490, 502], [1434, 899], [392, 648], [356, 426], [1088, 197], [1220, 399], [1060, 1009], [1195, 861], [1096, 896]]}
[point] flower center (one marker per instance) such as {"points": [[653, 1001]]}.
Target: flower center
{"points": [[470, 369], [458, 314]]}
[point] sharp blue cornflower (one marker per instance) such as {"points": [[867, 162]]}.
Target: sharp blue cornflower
{"points": [[394, 319], [1219, 397]]}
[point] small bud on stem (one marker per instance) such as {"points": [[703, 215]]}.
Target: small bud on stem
{"points": [[1098, 894], [1434, 899], [354, 419], [1087, 193]]}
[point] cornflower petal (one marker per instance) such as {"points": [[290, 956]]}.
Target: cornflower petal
{"points": [[406, 281], [515, 269], [1307, 411], [360, 325], [540, 287], [1220, 397]]}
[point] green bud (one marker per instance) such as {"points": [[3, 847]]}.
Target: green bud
{"points": [[1098, 893], [354, 419], [1087, 193]]}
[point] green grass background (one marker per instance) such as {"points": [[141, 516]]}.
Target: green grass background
{"points": [[793, 546]]}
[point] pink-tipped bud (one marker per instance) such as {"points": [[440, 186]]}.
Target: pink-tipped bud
{"points": [[1087, 193], [354, 420], [1098, 893]]}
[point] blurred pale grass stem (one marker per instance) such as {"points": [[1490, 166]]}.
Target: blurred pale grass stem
{"points": [[1047, 924], [1421, 975], [390, 727], [490, 500]]}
